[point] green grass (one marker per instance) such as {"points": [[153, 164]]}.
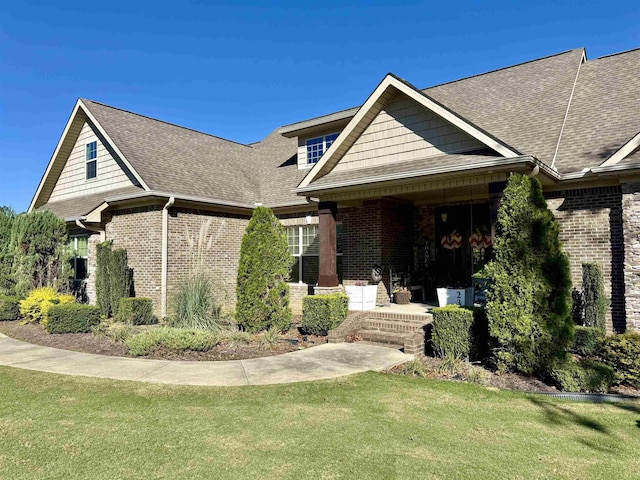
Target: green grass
{"points": [[365, 426]]}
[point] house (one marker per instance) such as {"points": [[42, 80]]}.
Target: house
{"points": [[409, 180]]}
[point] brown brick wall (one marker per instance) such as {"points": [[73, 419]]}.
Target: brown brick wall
{"points": [[139, 231], [591, 231]]}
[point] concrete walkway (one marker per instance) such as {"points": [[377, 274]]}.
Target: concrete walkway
{"points": [[325, 361]]}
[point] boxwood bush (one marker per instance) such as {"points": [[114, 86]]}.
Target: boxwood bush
{"points": [[321, 313], [9, 308], [72, 318], [622, 353], [583, 376], [586, 340], [452, 332], [136, 311]]}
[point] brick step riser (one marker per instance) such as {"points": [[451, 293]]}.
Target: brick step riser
{"points": [[392, 328], [385, 338]]}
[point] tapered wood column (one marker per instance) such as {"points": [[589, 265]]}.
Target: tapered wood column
{"points": [[328, 276]]}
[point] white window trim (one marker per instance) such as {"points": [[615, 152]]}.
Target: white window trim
{"points": [[76, 257], [324, 146], [300, 249], [89, 160]]}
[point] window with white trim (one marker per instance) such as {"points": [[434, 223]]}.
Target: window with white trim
{"points": [[304, 245], [79, 252], [92, 160], [317, 146]]}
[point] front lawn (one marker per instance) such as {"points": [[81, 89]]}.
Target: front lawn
{"points": [[371, 425]]}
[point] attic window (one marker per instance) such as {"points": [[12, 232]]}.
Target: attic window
{"points": [[317, 146], [92, 160]]}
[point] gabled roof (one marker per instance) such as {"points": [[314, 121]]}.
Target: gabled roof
{"points": [[388, 88], [77, 207]]}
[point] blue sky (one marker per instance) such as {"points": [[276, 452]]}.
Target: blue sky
{"points": [[241, 69]]}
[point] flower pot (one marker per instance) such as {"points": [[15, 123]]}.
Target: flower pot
{"points": [[402, 298]]}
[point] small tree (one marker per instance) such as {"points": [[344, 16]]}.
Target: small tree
{"points": [[265, 266], [6, 258], [38, 246], [529, 299], [103, 290], [113, 278], [595, 300]]}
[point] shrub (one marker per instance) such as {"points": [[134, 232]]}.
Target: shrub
{"points": [[194, 305], [177, 339], [582, 376], [58, 300], [622, 353], [72, 318], [265, 264], [480, 338], [113, 278], [32, 307], [451, 335], [7, 282], [136, 311], [595, 301], [39, 254], [321, 313], [9, 308], [586, 340], [529, 296]]}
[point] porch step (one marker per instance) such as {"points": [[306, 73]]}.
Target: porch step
{"points": [[396, 326], [388, 339]]}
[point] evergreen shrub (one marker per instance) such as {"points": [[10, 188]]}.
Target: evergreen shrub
{"points": [[72, 318], [583, 376], [529, 295], [594, 299], [113, 278], [321, 313], [622, 353], [586, 340], [452, 332], [9, 308], [136, 311], [7, 281], [265, 264], [35, 306], [176, 339]]}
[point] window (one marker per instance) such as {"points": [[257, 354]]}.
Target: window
{"points": [[78, 249], [317, 146], [92, 160], [304, 245]]}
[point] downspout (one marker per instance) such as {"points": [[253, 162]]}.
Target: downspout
{"points": [[534, 172], [165, 256]]}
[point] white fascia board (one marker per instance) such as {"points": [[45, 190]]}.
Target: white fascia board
{"points": [[113, 145], [622, 152], [53, 157], [388, 82]]}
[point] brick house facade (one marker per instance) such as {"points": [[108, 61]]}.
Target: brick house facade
{"points": [[391, 171]]}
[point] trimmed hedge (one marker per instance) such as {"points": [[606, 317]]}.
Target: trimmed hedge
{"points": [[136, 311], [72, 318], [321, 313], [177, 339], [595, 301], [583, 376], [622, 353], [452, 332], [586, 340], [9, 308]]}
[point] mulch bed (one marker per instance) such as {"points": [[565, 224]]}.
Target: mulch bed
{"points": [[89, 343]]}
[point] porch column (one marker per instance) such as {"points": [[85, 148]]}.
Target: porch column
{"points": [[328, 276]]}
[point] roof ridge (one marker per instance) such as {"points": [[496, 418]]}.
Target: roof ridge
{"points": [[615, 54], [507, 68], [165, 122]]}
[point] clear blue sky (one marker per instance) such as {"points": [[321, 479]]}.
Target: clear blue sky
{"points": [[241, 69]]}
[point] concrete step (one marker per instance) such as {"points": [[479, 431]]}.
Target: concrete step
{"points": [[395, 339]]}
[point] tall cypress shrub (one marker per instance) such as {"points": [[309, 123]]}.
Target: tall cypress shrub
{"points": [[6, 258], [265, 264], [594, 298], [103, 285], [529, 298], [113, 278]]}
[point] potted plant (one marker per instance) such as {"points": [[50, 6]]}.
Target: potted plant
{"points": [[402, 296]]}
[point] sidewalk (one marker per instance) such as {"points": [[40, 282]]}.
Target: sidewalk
{"points": [[325, 361]]}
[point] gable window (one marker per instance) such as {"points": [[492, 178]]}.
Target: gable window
{"points": [[92, 160], [79, 251], [317, 146], [304, 245]]}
